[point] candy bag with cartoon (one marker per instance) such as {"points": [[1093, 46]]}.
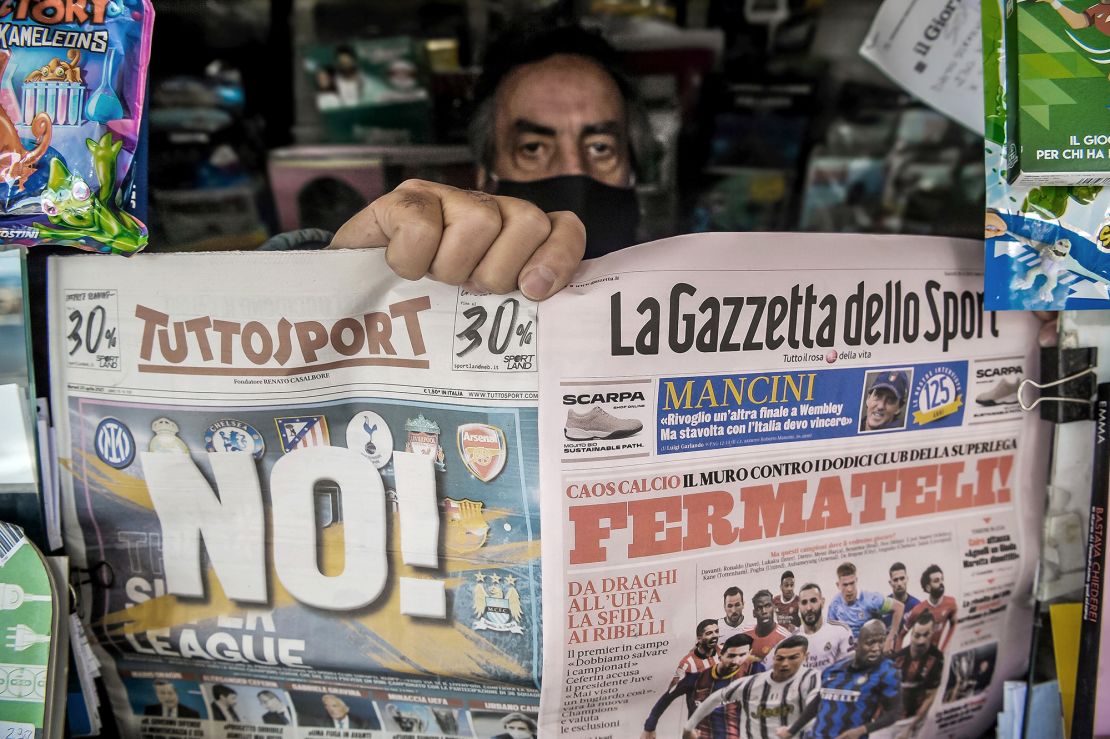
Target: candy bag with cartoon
{"points": [[72, 81]]}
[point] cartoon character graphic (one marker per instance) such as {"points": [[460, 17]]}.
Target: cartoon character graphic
{"points": [[1051, 265], [70, 203], [17, 163]]}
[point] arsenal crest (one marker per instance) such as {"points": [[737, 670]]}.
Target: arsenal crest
{"points": [[483, 450], [467, 529], [424, 439], [497, 604]]}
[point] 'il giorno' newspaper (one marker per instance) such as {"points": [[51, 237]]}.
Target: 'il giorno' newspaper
{"points": [[303, 493], [787, 488]]}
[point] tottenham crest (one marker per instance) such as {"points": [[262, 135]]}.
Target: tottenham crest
{"points": [[497, 604], [483, 450], [467, 529], [368, 434]]}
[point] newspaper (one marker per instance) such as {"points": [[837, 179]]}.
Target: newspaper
{"points": [[774, 436], [302, 494]]}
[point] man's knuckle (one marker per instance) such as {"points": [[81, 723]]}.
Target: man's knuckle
{"points": [[493, 280], [402, 266]]}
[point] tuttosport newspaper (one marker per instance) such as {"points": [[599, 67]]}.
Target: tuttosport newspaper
{"points": [[303, 494], [783, 497]]}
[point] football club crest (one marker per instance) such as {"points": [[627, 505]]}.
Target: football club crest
{"points": [[165, 437], [424, 439], [467, 529], [483, 450], [497, 604], [115, 446], [302, 432], [229, 435], [368, 434]]}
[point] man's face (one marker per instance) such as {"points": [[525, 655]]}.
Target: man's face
{"points": [[936, 584], [271, 703], [787, 588], [166, 695], [882, 408], [920, 636], [786, 662], [762, 610], [734, 609], [346, 65], [563, 115], [847, 586], [733, 658], [898, 583], [518, 728], [229, 699], [870, 647], [335, 707], [810, 607], [708, 639]]}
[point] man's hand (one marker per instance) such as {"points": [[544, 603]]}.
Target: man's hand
{"points": [[689, 734], [782, 732], [491, 243], [854, 733], [647, 735]]}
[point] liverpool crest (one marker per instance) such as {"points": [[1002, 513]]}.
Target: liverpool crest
{"points": [[424, 439], [497, 604], [467, 529], [483, 450]]}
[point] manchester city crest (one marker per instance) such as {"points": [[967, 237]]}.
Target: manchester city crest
{"points": [[483, 450], [424, 439], [229, 435], [368, 434], [467, 528], [497, 604]]}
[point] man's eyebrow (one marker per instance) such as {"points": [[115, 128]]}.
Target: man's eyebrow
{"points": [[523, 125], [611, 128]]}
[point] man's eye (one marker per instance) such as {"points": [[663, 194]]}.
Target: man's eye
{"points": [[531, 148], [600, 149]]}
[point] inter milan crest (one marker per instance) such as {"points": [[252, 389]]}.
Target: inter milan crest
{"points": [[424, 439], [302, 432], [483, 450], [497, 604], [368, 434], [467, 528], [229, 435]]}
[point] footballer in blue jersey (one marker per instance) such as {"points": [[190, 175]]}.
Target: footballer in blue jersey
{"points": [[854, 607], [859, 695], [899, 591]]}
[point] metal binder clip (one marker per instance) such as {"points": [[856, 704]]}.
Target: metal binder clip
{"points": [[1070, 376]]}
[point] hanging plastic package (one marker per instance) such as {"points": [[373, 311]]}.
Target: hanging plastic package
{"points": [[72, 81]]}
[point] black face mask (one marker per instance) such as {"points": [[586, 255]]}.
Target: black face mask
{"points": [[610, 214]]}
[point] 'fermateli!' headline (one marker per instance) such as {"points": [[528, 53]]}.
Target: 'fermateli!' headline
{"points": [[651, 517]]}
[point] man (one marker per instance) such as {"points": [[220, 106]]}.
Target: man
{"points": [[899, 591], [340, 713], [223, 703], [704, 654], [786, 604], [558, 129], [168, 705], [768, 701], [829, 641], [921, 666], [854, 607], [859, 695], [943, 607], [765, 633], [734, 664], [884, 403], [518, 726], [275, 710], [734, 613], [1097, 15]]}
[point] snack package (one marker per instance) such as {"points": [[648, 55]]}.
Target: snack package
{"points": [[72, 81]]}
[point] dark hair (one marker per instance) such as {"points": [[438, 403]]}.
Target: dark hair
{"points": [[928, 573], [703, 625], [785, 575], [763, 594], [845, 570], [792, 641], [810, 586], [219, 690], [345, 50], [897, 566], [737, 640], [529, 43], [734, 591], [925, 617]]}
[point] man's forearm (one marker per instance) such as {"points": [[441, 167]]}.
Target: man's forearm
{"points": [[892, 710], [1073, 18], [808, 715], [705, 708]]}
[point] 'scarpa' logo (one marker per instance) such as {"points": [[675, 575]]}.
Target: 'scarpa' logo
{"points": [[591, 398]]}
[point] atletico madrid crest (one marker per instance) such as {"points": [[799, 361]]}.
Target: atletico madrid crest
{"points": [[483, 450]]}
